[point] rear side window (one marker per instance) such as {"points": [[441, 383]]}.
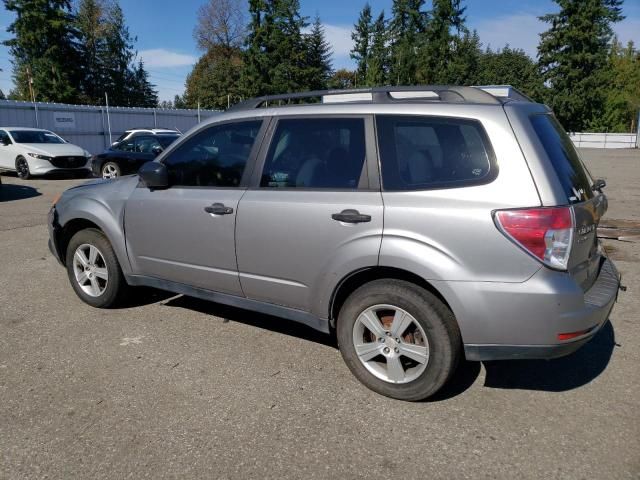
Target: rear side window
{"points": [[419, 153], [571, 172], [315, 153]]}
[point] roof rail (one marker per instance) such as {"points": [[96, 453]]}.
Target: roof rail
{"points": [[506, 92], [424, 93]]}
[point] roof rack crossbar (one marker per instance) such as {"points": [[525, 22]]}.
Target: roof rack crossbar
{"points": [[444, 93]]}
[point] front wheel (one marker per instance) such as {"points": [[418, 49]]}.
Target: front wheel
{"points": [[93, 269], [111, 170], [398, 339], [22, 168]]}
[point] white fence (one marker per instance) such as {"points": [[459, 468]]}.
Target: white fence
{"points": [[88, 126], [605, 140]]}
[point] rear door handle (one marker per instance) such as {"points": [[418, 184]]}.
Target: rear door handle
{"points": [[218, 209], [351, 216]]}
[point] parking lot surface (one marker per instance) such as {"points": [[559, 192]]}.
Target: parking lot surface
{"points": [[173, 387]]}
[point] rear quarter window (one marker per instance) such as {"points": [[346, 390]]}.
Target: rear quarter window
{"points": [[564, 158], [421, 153]]}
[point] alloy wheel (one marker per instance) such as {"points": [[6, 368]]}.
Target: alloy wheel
{"points": [[22, 168], [109, 171], [90, 270], [391, 344]]}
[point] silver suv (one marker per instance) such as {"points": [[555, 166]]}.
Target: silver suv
{"points": [[422, 225]]}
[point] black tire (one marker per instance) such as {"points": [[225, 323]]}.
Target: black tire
{"points": [[434, 317], [111, 165], [116, 287], [22, 168]]}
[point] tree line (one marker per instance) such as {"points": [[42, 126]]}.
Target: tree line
{"points": [[75, 54], [258, 47], [591, 81]]}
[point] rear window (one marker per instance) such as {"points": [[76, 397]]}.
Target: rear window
{"points": [[419, 153], [572, 174]]}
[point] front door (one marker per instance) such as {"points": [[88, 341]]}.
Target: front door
{"points": [[7, 151], [313, 214], [185, 233]]}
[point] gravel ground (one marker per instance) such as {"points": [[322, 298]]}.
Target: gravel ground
{"points": [[176, 387]]}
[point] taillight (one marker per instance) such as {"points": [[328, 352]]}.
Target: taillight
{"points": [[546, 233]]}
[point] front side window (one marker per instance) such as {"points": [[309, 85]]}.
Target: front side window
{"points": [[35, 136], [418, 153], [125, 146], [316, 153], [147, 144], [214, 157]]}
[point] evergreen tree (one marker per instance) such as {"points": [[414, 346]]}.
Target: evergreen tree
{"points": [[43, 49], [361, 37], [378, 61], [318, 64], [178, 102], [118, 56], [445, 34], [141, 92], [463, 67], [573, 57], [92, 33], [276, 54], [406, 31]]}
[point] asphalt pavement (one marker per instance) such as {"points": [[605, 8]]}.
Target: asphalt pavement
{"points": [[174, 387]]}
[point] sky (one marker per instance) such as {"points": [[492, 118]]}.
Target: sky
{"points": [[164, 31]]}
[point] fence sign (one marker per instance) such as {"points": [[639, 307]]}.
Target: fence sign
{"points": [[64, 120]]}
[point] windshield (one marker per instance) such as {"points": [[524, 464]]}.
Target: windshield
{"points": [[573, 176], [35, 136]]}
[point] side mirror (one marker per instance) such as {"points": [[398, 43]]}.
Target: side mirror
{"points": [[154, 175], [157, 150], [6, 141]]}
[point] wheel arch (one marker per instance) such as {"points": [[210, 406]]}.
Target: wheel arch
{"points": [[357, 278]]}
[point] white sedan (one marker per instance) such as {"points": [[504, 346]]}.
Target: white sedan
{"points": [[34, 151]]}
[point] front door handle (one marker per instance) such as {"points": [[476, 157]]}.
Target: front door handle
{"points": [[218, 209], [351, 216]]}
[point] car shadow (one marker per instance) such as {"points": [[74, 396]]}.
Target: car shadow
{"points": [[555, 375], [254, 319], [10, 192], [141, 296], [558, 375]]}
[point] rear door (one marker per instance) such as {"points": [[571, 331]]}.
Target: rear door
{"points": [[314, 212], [576, 187]]}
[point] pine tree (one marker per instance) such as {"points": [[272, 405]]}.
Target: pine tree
{"points": [[43, 49], [118, 56], [463, 67], [361, 37], [276, 54], [573, 57], [318, 63], [445, 34], [378, 61], [141, 92], [91, 27], [406, 31]]}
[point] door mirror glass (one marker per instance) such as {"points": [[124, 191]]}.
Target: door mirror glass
{"points": [[5, 140], [154, 175], [157, 150]]}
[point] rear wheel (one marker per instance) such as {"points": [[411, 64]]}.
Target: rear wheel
{"points": [[111, 170], [93, 269], [398, 339], [22, 168]]}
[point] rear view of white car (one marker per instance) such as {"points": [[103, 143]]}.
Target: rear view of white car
{"points": [[34, 151]]}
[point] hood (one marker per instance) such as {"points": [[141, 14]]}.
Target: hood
{"points": [[54, 149]]}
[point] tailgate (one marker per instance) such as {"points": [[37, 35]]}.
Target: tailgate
{"points": [[586, 257]]}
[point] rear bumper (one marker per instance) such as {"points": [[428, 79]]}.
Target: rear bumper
{"points": [[523, 321]]}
